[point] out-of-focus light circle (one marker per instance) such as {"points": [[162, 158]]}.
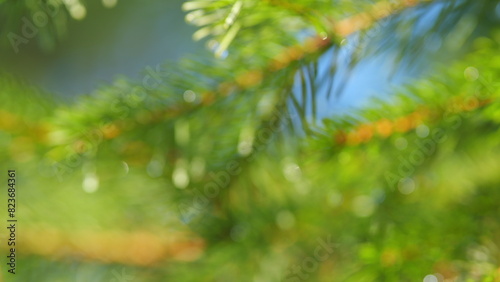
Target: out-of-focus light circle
{"points": [[292, 171], [180, 177], [189, 96], [78, 11], [109, 3], [431, 278], [471, 73], [245, 148], [90, 183], [406, 186], [422, 131]]}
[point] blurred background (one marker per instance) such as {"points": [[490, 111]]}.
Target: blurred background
{"points": [[120, 38]]}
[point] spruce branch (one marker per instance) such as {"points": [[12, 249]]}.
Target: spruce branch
{"points": [[252, 78], [112, 247]]}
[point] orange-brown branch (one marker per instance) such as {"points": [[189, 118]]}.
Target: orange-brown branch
{"points": [[384, 128], [131, 248]]}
